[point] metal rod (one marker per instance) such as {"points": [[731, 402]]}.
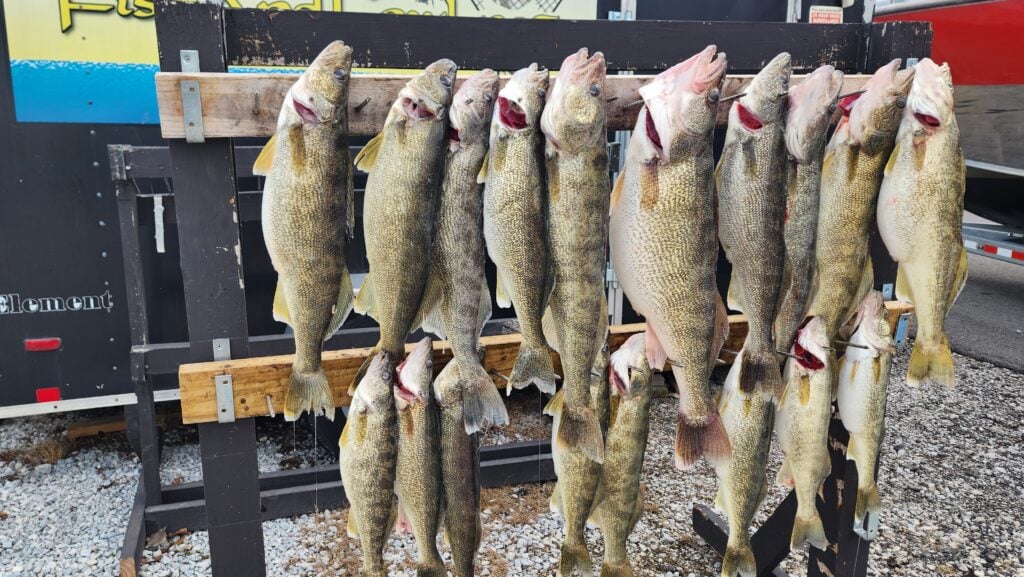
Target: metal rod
{"points": [[733, 97], [497, 374], [854, 93], [849, 344], [790, 355], [359, 107]]}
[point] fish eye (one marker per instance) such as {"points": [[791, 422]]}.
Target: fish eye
{"points": [[784, 80], [831, 107], [488, 96], [901, 101], [446, 80], [713, 96], [595, 89], [541, 92], [340, 74]]}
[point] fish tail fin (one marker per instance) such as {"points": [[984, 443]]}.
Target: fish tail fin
{"points": [[931, 362], [735, 292], [308, 392], [362, 369], [739, 560], [580, 429], [868, 501], [434, 569], [533, 366], [810, 530], [694, 439], [575, 556], [623, 570], [760, 371], [480, 399]]}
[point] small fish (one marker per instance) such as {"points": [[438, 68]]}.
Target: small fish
{"points": [[405, 163], [514, 220], [418, 481], [460, 473], [920, 215], [863, 386], [812, 103], [667, 182], [308, 212], [368, 458], [457, 300], [622, 501], [751, 209], [574, 125], [801, 423], [850, 177], [742, 483]]}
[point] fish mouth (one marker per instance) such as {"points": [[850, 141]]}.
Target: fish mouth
{"points": [[618, 382], [511, 114], [846, 104], [307, 114], [652, 132], [453, 135], [748, 119], [927, 120], [415, 109], [806, 358]]}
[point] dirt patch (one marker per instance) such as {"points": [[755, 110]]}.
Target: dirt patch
{"points": [[519, 504]]}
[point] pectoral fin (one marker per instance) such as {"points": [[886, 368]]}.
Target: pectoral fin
{"points": [[343, 307], [366, 300], [367, 157], [266, 158], [281, 313]]}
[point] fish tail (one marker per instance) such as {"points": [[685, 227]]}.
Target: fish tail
{"points": [[623, 570], [308, 392], [760, 371], [575, 556], [434, 569], [694, 439], [810, 530], [580, 429], [739, 560], [931, 362], [363, 368], [868, 501], [533, 366], [481, 401]]}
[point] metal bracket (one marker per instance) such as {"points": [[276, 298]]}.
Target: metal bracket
{"points": [[869, 530], [224, 384], [912, 62], [887, 291], [902, 328], [191, 101]]}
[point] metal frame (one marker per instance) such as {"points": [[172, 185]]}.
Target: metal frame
{"points": [[233, 498], [1005, 243]]}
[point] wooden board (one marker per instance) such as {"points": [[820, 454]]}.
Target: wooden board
{"points": [[239, 105], [256, 378]]}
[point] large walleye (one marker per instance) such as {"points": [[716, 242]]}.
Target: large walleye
{"points": [[574, 124], [920, 214], [751, 209], [308, 211], [801, 422], [368, 456], [850, 177], [405, 162], [460, 473], [514, 219], [742, 483], [863, 386], [418, 479], [622, 503], [811, 107], [667, 183], [458, 301]]}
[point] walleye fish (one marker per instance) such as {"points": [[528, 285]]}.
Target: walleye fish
{"points": [[850, 176], [405, 162], [863, 385], [574, 124], [920, 215], [811, 106], [666, 185], [751, 209], [457, 302], [460, 473], [742, 483], [308, 211], [622, 503], [801, 423], [514, 220], [418, 481], [368, 456]]}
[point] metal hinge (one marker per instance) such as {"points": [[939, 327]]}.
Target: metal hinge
{"points": [[224, 384], [869, 529], [191, 101], [902, 328]]}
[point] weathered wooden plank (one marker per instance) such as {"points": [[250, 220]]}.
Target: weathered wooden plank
{"points": [[237, 105], [256, 378], [259, 37]]}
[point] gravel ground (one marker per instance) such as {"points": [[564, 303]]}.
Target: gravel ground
{"points": [[949, 480]]}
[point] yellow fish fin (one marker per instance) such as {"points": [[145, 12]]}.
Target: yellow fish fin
{"points": [[429, 316], [366, 300], [959, 280], [549, 329], [903, 291], [617, 190], [343, 307], [504, 300], [481, 176], [281, 313], [353, 526], [892, 159], [367, 157], [554, 406], [735, 295], [266, 158]]}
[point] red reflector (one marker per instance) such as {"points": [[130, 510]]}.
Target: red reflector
{"points": [[48, 395], [989, 249], [1017, 255], [38, 345]]}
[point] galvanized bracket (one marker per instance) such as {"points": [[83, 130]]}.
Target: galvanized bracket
{"points": [[224, 384], [887, 291], [902, 328], [191, 101], [869, 529]]}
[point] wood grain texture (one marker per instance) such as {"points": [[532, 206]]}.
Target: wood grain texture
{"points": [[238, 105], [256, 378]]}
